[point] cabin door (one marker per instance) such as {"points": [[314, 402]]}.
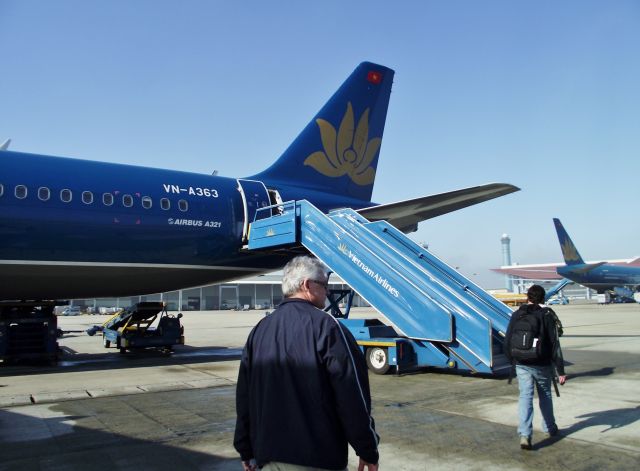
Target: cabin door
{"points": [[254, 196]]}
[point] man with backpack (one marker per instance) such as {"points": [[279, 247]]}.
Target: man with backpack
{"points": [[533, 347]]}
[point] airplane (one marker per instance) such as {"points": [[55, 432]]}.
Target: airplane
{"points": [[600, 276], [72, 228]]}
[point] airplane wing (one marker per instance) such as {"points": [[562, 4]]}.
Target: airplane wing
{"points": [[546, 271], [5, 144], [405, 215]]}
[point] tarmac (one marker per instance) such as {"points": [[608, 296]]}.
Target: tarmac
{"points": [[102, 410]]}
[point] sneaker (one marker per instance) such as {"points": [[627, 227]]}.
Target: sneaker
{"points": [[552, 432], [525, 443]]}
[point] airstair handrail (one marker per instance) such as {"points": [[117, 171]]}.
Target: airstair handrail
{"points": [[455, 301], [310, 243], [282, 209]]}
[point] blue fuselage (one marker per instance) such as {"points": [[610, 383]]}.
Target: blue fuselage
{"points": [[74, 228], [603, 277]]}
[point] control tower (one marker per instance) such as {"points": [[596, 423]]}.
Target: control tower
{"points": [[506, 260]]}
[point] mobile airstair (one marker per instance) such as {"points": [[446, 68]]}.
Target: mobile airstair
{"points": [[143, 325], [437, 317]]}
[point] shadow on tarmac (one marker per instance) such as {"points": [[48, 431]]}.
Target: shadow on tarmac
{"points": [[451, 372], [113, 359], [614, 418], [599, 336], [29, 442], [606, 371]]}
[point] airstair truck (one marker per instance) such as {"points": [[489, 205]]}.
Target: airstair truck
{"points": [[433, 315]]}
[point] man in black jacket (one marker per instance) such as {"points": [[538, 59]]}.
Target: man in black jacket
{"points": [[535, 357], [303, 390]]}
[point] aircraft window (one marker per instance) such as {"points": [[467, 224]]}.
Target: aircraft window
{"points": [[1, 189], [146, 202], [107, 199], [21, 192], [87, 197], [66, 195], [127, 201], [165, 203], [43, 193], [183, 205]]}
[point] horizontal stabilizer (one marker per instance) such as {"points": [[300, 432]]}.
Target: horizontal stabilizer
{"points": [[585, 267], [405, 215]]}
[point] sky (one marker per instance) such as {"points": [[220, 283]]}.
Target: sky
{"points": [[544, 95]]}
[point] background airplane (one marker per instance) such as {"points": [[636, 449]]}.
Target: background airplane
{"points": [[72, 228], [601, 276]]}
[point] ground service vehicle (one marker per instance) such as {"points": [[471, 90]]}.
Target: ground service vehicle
{"points": [[143, 325]]}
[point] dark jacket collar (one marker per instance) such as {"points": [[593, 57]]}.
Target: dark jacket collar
{"points": [[293, 300]]}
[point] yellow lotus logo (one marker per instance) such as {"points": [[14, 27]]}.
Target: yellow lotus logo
{"points": [[270, 232], [343, 248], [348, 151], [569, 251]]}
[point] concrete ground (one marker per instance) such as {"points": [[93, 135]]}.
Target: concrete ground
{"points": [[99, 409]]}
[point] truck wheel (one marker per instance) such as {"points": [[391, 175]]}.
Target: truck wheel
{"points": [[377, 360], [105, 342]]}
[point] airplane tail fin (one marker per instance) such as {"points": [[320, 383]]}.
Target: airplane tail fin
{"points": [[569, 251], [337, 151]]}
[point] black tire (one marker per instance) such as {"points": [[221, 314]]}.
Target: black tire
{"points": [[378, 360]]}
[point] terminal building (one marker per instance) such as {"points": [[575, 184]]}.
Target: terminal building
{"points": [[265, 292], [518, 278], [259, 292]]}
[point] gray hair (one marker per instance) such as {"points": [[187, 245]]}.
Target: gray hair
{"points": [[299, 269]]}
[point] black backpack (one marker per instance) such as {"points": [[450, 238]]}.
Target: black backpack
{"points": [[527, 341]]}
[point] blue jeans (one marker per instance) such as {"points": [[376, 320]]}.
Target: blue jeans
{"points": [[541, 376]]}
